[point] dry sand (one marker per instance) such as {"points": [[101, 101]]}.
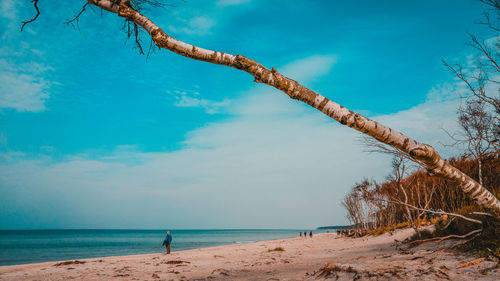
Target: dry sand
{"points": [[371, 258]]}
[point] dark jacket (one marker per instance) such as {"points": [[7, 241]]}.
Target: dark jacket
{"points": [[167, 240]]}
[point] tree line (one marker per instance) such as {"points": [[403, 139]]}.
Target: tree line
{"points": [[409, 195]]}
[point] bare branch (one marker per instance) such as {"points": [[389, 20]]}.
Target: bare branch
{"points": [[453, 236], [492, 3], [489, 23], [481, 213], [481, 46], [137, 42], [431, 211], [77, 17], [465, 242], [35, 3]]}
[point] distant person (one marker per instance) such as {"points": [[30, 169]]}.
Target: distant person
{"points": [[300, 233], [167, 241], [305, 234], [311, 234]]}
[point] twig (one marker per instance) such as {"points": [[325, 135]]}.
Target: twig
{"points": [[77, 17], [439, 239], [463, 242], [435, 212], [35, 3], [481, 213], [467, 264], [150, 49], [137, 42], [449, 223]]}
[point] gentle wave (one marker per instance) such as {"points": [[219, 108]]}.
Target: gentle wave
{"points": [[30, 246]]}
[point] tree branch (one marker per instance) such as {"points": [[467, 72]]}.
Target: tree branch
{"points": [[430, 211], [137, 42], [77, 17], [425, 154], [35, 3], [439, 239]]}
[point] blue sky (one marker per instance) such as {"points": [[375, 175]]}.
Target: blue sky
{"points": [[94, 135]]}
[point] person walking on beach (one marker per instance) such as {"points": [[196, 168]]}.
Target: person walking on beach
{"points": [[311, 234], [167, 241], [300, 233]]}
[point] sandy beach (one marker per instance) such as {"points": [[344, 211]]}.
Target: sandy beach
{"points": [[368, 258]]}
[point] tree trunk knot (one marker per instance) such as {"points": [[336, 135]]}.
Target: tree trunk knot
{"points": [[427, 155], [126, 11], [358, 122], [242, 62], [159, 37]]}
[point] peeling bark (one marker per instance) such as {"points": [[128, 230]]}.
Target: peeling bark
{"points": [[423, 154]]}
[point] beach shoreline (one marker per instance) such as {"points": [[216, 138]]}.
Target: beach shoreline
{"points": [[367, 258]]}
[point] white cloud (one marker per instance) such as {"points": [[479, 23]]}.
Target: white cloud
{"points": [[427, 122], [22, 87], [200, 25], [492, 42], [307, 69], [231, 2], [10, 20], [183, 99], [8, 9], [289, 167]]}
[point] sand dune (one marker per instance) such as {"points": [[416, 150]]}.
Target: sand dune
{"points": [[325, 256]]}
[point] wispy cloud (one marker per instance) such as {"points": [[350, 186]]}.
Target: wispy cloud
{"points": [[23, 87], [307, 69], [200, 25], [231, 2], [251, 165], [8, 9], [184, 99]]}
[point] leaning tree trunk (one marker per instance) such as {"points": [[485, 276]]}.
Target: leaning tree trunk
{"points": [[424, 154]]}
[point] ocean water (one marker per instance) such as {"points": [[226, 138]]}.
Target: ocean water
{"points": [[30, 246]]}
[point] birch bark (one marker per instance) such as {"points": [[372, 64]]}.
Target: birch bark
{"points": [[423, 154]]}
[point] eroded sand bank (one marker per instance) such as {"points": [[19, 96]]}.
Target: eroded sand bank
{"points": [[372, 258]]}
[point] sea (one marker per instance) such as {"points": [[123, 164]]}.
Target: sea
{"points": [[32, 246]]}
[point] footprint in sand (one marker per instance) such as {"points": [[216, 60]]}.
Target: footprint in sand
{"points": [[221, 271]]}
